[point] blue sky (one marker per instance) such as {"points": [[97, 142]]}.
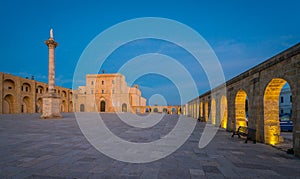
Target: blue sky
{"points": [[242, 34]]}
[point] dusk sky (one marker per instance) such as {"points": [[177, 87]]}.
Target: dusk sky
{"points": [[242, 34]]}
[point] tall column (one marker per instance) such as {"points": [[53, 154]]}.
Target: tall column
{"points": [[51, 101]]}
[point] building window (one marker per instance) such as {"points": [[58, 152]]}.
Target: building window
{"points": [[113, 81], [92, 82], [37, 90], [281, 111], [26, 88], [291, 99], [113, 91], [102, 91], [92, 92], [281, 99], [102, 82]]}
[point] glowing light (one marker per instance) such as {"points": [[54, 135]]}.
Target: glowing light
{"points": [[240, 108], [224, 112], [271, 111]]}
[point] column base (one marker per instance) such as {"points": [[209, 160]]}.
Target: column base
{"points": [[51, 106]]}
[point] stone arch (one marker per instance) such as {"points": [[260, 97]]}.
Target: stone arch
{"points": [[102, 106], [39, 106], [71, 106], [271, 110], [8, 104], [155, 110], [40, 89], [26, 87], [240, 108], [165, 110], [9, 84], [64, 107], [224, 112], [25, 106], [64, 93], [213, 111], [201, 109], [124, 107], [206, 111], [173, 110], [81, 107]]}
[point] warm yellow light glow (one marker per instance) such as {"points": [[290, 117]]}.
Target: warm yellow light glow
{"points": [[271, 111], [213, 111], [201, 109], [194, 110], [240, 111], [224, 112], [206, 111]]}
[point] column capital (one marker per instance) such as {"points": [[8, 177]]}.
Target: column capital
{"points": [[51, 43]]}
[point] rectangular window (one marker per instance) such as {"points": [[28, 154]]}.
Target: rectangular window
{"points": [[37, 90], [92, 82], [102, 82], [291, 99], [113, 81], [113, 91], [281, 99], [92, 92], [102, 91], [281, 111]]}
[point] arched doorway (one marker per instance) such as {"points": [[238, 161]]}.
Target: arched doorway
{"points": [[155, 110], [39, 106], [165, 110], [223, 112], [8, 102], [206, 111], [213, 111], [64, 106], [81, 107], [71, 106], [241, 105], [272, 100], [25, 108], [102, 106], [124, 107]]}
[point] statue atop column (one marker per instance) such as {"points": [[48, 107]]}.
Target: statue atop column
{"points": [[51, 101]]}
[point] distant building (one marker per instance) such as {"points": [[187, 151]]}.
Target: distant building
{"points": [[23, 95], [285, 101], [108, 93]]}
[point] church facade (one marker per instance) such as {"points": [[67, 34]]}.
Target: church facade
{"points": [[108, 93]]}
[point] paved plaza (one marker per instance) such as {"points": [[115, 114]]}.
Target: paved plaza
{"points": [[35, 148]]}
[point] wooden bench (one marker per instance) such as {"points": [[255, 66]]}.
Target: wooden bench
{"points": [[247, 132]]}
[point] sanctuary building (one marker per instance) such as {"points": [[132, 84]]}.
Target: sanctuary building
{"points": [[108, 93]]}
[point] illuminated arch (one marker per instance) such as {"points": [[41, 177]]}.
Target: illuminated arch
{"points": [[206, 111], [240, 108], [223, 112], [213, 111], [201, 109], [271, 110]]}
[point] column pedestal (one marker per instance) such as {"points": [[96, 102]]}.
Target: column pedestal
{"points": [[51, 106]]}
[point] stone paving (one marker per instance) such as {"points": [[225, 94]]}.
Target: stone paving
{"points": [[34, 148]]}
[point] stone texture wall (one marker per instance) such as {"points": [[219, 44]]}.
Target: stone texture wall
{"points": [[110, 91], [22, 95], [282, 67]]}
